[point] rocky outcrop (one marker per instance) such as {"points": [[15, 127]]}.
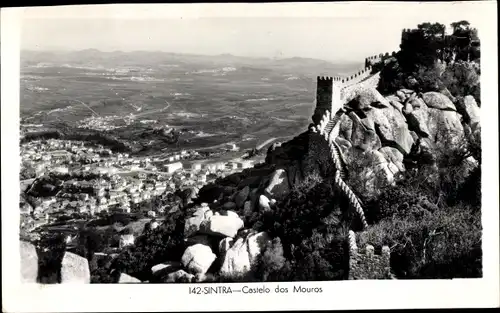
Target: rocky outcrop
{"points": [[375, 138], [278, 186], [29, 262], [365, 99], [198, 258], [74, 269], [468, 107], [395, 157], [240, 255], [391, 127], [362, 137], [193, 224], [223, 225], [443, 127], [437, 100]]}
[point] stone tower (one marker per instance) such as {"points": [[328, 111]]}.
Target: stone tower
{"points": [[324, 94]]}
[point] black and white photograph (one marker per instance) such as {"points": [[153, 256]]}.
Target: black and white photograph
{"points": [[223, 153]]}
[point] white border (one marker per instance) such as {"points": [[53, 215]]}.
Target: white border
{"points": [[336, 295]]}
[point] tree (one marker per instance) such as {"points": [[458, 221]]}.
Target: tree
{"points": [[464, 41]]}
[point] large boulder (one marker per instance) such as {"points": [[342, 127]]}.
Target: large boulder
{"points": [[395, 157], [417, 121], [278, 185], [446, 127], [416, 103], [468, 107], [443, 127], [29, 262], [223, 225], [264, 204], [242, 255], [392, 129], [198, 258], [127, 279], [74, 269], [361, 136], [345, 127], [395, 102], [365, 98], [437, 100]]}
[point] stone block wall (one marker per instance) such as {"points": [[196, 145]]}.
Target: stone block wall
{"points": [[364, 263]]}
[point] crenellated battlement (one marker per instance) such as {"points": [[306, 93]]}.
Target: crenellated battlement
{"points": [[365, 263], [328, 85], [324, 97], [325, 78]]}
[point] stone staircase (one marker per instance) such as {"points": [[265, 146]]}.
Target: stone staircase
{"points": [[340, 174]]}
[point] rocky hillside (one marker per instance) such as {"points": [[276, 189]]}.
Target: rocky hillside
{"points": [[289, 219]]}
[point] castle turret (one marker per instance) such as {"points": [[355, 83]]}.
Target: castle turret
{"points": [[324, 93]]}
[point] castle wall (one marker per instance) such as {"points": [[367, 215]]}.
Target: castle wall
{"points": [[331, 90]]}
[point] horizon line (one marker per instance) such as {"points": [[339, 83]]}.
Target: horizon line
{"points": [[69, 50]]}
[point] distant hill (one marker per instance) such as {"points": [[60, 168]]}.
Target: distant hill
{"points": [[151, 58]]}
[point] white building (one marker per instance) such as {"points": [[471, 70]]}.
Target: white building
{"points": [[246, 164], [172, 167]]}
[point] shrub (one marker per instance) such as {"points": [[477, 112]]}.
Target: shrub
{"points": [[442, 244], [431, 219], [462, 79], [165, 243], [312, 231], [391, 78], [271, 261]]}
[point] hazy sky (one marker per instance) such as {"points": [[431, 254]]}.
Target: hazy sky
{"points": [[331, 32]]}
